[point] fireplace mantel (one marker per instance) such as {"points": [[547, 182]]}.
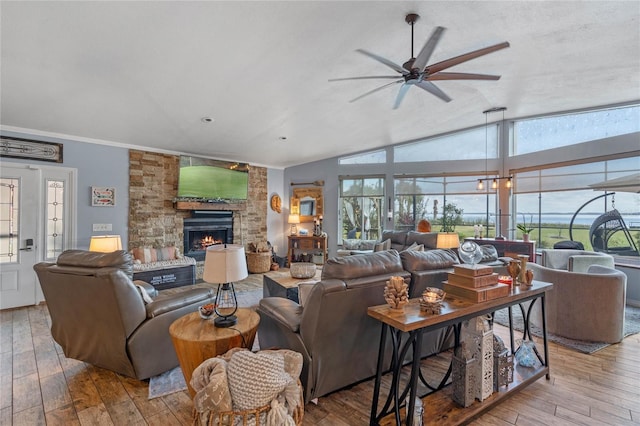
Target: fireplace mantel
{"points": [[194, 205]]}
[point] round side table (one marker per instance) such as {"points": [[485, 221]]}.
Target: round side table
{"points": [[196, 339]]}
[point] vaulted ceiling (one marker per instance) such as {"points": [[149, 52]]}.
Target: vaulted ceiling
{"points": [[146, 73]]}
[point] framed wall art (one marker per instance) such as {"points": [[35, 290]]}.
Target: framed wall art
{"points": [[103, 196], [30, 150]]}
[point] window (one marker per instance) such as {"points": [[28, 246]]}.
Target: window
{"points": [[551, 197], [552, 132], [371, 157], [469, 145], [9, 196], [54, 242], [449, 203], [361, 201]]}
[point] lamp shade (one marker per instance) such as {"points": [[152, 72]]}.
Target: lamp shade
{"points": [[294, 218], [105, 243], [224, 264], [447, 240]]}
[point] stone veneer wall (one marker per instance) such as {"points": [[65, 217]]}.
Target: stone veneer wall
{"points": [[153, 219]]}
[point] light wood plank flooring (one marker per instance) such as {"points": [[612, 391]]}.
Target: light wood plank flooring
{"points": [[38, 385]]}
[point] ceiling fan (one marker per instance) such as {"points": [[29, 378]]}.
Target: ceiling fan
{"points": [[416, 72]]}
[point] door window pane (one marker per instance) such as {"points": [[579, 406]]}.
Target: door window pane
{"points": [[55, 219], [9, 205]]}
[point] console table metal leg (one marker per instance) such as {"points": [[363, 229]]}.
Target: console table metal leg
{"points": [[416, 337], [513, 348], [376, 386], [544, 334]]}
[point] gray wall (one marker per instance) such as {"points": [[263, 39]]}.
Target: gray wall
{"points": [[97, 165], [276, 221]]}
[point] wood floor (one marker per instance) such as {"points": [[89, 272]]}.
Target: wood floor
{"points": [[38, 385]]}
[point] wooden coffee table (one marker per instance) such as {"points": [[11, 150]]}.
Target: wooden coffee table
{"points": [[282, 284], [196, 339]]}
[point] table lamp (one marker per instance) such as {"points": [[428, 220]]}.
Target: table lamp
{"points": [[224, 264], [105, 243], [447, 240], [294, 219]]}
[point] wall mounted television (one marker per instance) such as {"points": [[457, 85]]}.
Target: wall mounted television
{"points": [[203, 179]]}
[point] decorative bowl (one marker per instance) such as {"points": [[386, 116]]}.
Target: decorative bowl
{"points": [[433, 295], [302, 269], [206, 311]]}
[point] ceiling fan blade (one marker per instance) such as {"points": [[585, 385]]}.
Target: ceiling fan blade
{"points": [[363, 78], [427, 49], [433, 89], [385, 61], [403, 91], [375, 90], [461, 76], [466, 57]]}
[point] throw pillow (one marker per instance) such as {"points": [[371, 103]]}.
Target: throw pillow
{"points": [[255, 379], [489, 253], [367, 244], [166, 253], [415, 247], [145, 255], [382, 246]]}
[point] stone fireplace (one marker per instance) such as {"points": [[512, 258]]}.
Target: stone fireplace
{"points": [[204, 229], [156, 220]]}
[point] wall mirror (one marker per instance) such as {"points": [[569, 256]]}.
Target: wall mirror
{"points": [[307, 202]]}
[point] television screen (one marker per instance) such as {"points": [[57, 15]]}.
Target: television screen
{"points": [[212, 180]]}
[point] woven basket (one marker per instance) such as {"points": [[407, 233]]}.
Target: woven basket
{"points": [[257, 263], [248, 417]]}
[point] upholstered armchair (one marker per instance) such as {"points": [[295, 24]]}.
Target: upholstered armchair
{"points": [[587, 305], [99, 315]]}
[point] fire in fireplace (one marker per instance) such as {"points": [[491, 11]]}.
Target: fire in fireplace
{"points": [[206, 228]]}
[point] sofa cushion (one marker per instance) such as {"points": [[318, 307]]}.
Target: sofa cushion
{"points": [[431, 259], [428, 239], [362, 265], [350, 244], [398, 239], [367, 244], [382, 246]]}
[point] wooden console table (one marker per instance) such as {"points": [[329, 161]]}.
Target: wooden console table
{"points": [[308, 244], [509, 247], [439, 407]]}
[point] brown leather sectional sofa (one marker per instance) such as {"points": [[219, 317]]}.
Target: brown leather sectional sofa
{"points": [[338, 340]]}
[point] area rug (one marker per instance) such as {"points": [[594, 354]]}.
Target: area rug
{"points": [[167, 383], [631, 326]]}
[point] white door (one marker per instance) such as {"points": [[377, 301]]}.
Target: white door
{"points": [[19, 208]]}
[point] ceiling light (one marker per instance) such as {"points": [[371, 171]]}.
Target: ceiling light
{"points": [[283, 138], [207, 120]]}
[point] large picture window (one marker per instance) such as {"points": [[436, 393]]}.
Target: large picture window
{"points": [[450, 203], [361, 202], [551, 198]]}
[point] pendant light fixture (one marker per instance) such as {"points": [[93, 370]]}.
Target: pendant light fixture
{"points": [[495, 180]]}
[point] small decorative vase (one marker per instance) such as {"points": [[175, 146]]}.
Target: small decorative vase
{"points": [[525, 238], [523, 267], [528, 278], [514, 270], [526, 355]]}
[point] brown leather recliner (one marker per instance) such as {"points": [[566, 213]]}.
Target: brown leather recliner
{"points": [[98, 314]]}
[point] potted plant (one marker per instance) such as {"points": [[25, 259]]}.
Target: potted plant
{"points": [[525, 228]]}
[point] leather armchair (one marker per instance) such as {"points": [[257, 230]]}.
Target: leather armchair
{"points": [[98, 314]]}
